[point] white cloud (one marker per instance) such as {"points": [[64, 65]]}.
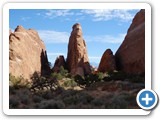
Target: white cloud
{"points": [[58, 13], [38, 14], [94, 57], [55, 54], [108, 14], [25, 18], [51, 36], [124, 15], [106, 38]]}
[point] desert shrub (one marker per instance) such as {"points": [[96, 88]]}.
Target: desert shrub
{"points": [[77, 98], [137, 79], [67, 93], [131, 98], [100, 76], [91, 78], [51, 104], [58, 76], [41, 83], [88, 80], [25, 100], [108, 97], [37, 98], [89, 98], [13, 102], [13, 81], [47, 95], [97, 102], [80, 80], [63, 71], [24, 95], [17, 82], [81, 98], [119, 75], [69, 83], [117, 102], [12, 90]]}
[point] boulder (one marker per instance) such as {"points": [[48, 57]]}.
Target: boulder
{"points": [[77, 57], [107, 63], [130, 57], [27, 53]]}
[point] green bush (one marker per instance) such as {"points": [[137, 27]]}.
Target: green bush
{"points": [[115, 76], [43, 83], [119, 75], [61, 74], [80, 80], [100, 75], [69, 83], [17, 82], [88, 80], [58, 76], [63, 71]]}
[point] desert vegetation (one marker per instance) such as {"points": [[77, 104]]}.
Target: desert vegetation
{"points": [[116, 90]]}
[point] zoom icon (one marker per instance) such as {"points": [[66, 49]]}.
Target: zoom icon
{"points": [[147, 99]]}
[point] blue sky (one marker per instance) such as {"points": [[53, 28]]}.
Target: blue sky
{"points": [[102, 28]]}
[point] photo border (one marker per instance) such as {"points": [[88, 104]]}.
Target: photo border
{"points": [[8, 6]]}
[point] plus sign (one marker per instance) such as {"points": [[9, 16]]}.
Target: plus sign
{"points": [[147, 99]]}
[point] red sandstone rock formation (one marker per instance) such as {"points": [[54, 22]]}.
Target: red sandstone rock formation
{"points": [[27, 53], [60, 61], [10, 31], [130, 57], [77, 58], [107, 63]]}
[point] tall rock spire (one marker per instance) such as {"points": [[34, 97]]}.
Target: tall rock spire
{"points": [[77, 58]]}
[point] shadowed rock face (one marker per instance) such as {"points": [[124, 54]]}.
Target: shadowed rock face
{"points": [[60, 61], [77, 58], [107, 63], [130, 57], [27, 53]]}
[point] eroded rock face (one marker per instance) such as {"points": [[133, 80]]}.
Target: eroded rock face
{"points": [[60, 61], [77, 58], [107, 63], [130, 57], [27, 53]]}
